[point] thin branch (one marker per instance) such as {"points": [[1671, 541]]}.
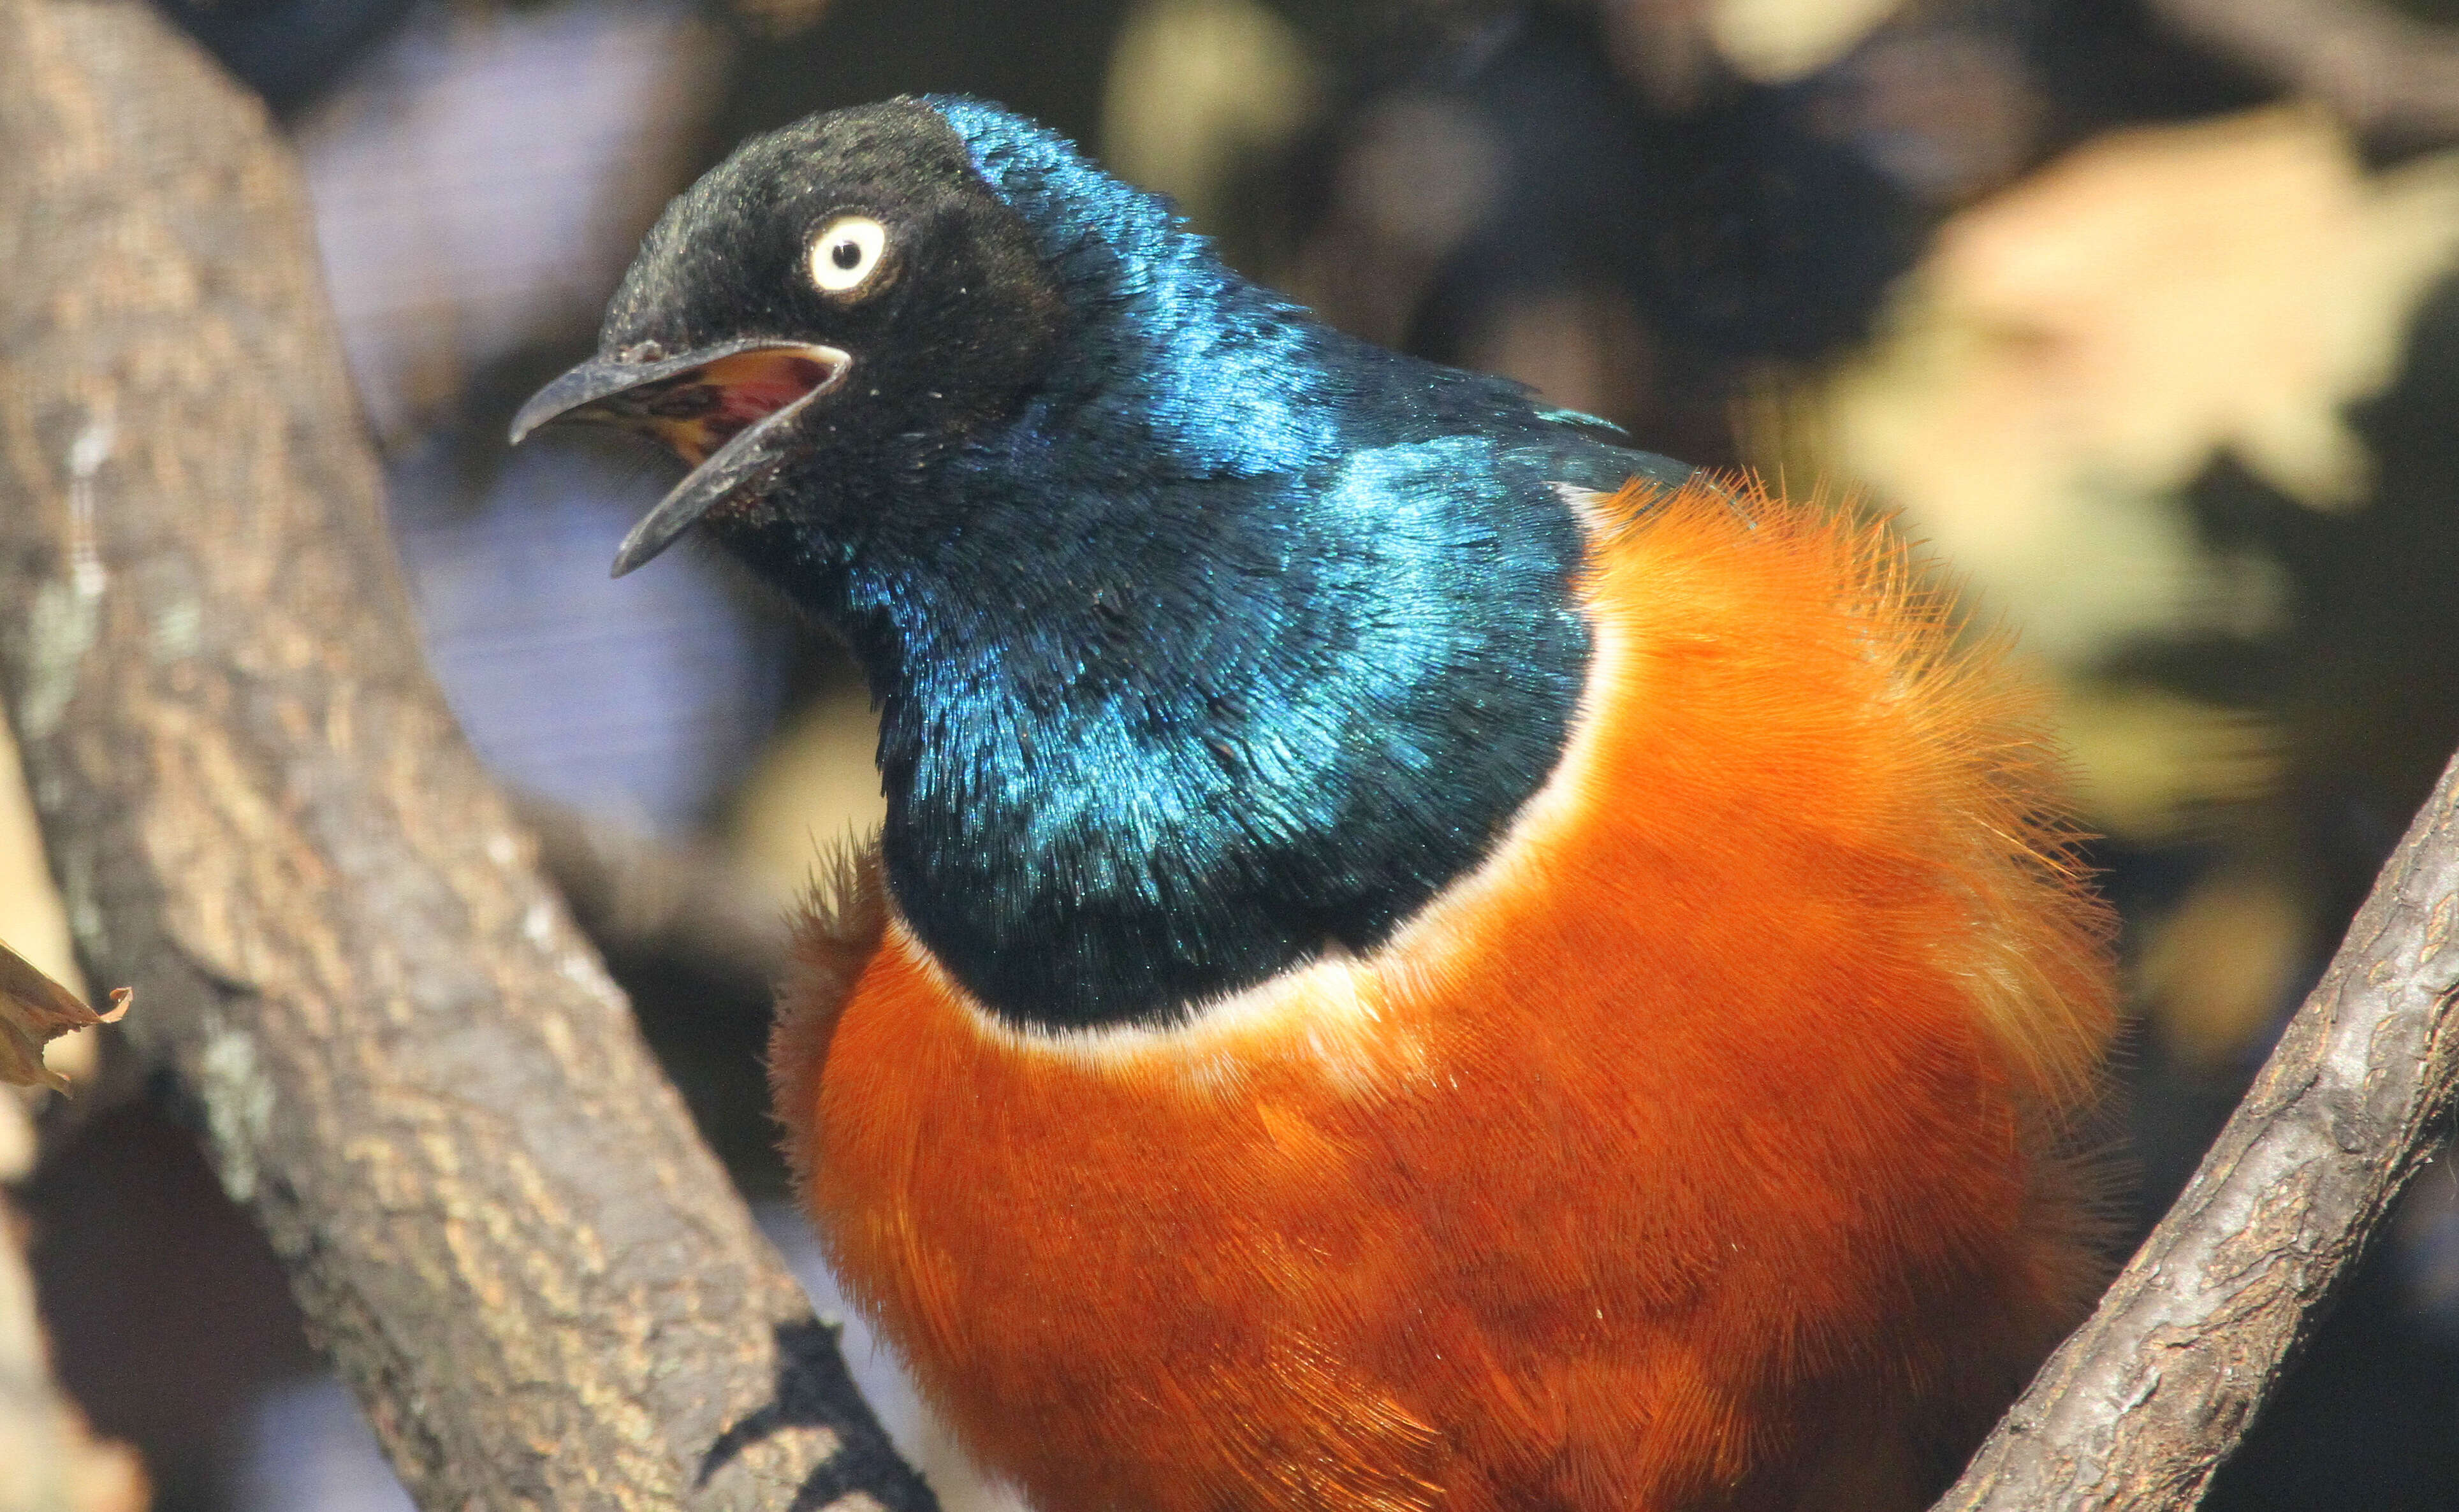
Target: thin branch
{"points": [[641, 899], [2388, 76], [409, 1065], [2140, 1408], [48, 1460]]}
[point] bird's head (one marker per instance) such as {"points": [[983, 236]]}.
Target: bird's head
{"points": [[847, 282]]}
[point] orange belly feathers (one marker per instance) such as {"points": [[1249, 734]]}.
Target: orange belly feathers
{"points": [[1694, 1151]]}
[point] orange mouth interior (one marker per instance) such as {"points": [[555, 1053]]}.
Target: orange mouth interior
{"points": [[700, 410]]}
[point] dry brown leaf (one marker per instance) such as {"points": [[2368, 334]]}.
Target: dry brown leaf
{"points": [[35, 1010], [33, 919], [2079, 346], [2218, 969], [1199, 87], [1673, 50], [2223, 284], [1777, 41], [2151, 765], [779, 20]]}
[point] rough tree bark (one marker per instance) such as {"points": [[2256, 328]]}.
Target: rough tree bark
{"points": [[2148, 1400], [408, 1064]]}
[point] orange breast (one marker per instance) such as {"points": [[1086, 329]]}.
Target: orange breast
{"points": [[1686, 1154]]}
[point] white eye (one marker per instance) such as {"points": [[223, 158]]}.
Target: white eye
{"points": [[846, 252]]}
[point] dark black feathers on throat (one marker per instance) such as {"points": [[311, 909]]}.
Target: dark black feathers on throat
{"points": [[1230, 643]]}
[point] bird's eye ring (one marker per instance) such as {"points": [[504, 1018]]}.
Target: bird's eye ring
{"points": [[846, 253]]}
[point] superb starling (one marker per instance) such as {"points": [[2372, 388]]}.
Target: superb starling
{"points": [[1418, 957]]}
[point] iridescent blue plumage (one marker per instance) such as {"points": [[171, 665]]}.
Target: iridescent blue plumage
{"points": [[1212, 640]]}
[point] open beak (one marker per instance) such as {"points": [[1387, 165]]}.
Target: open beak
{"points": [[722, 408]]}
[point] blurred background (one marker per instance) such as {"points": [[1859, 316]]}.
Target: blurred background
{"points": [[2141, 313]]}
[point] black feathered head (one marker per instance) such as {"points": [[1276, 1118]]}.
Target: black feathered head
{"points": [[850, 278]]}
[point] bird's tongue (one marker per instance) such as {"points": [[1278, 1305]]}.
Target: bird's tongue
{"points": [[722, 411], [724, 415], [698, 412]]}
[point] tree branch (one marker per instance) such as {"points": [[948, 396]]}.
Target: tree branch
{"points": [[411, 1067], [640, 899], [2140, 1408], [49, 1462], [2386, 75]]}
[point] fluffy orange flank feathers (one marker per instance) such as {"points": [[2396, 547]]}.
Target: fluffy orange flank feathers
{"points": [[1693, 1152]]}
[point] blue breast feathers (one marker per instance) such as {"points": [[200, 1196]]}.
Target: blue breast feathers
{"points": [[1238, 642]]}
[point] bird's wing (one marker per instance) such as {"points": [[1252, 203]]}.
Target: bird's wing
{"points": [[1583, 462], [1595, 425]]}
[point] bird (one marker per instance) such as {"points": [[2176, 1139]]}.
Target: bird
{"points": [[1418, 956]]}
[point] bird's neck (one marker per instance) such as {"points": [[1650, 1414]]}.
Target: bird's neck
{"points": [[1229, 646], [1168, 353], [1146, 743]]}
